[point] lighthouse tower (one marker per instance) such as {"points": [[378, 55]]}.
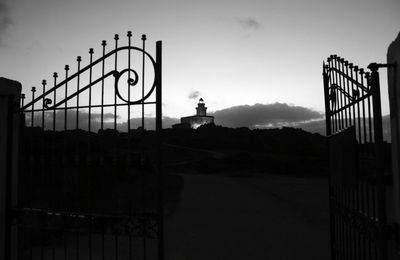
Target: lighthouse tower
{"points": [[201, 108], [197, 120]]}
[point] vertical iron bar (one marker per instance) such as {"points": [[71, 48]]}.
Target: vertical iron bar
{"points": [[342, 93], [327, 101], [358, 105], [143, 73], [338, 93], [89, 160], [334, 94], [66, 95], [160, 185], [116, 38], [363, 107], [43, 106], [354, 95], [337, 103], [346, 83], [90, 89], [331, 105], [55, 75], [33, 106], [367, 78], [78, 59], [54, 148], [103, 43], [129, 76], [144, 174]]}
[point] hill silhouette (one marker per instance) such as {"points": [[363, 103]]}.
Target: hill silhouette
{"points": [[242, 151]]}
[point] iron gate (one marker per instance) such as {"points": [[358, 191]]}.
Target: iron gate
{"points": [[90, 181], [359, 170]]}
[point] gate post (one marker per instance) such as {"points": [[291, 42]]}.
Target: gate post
{"points": [[393, 57], [9, 132]]}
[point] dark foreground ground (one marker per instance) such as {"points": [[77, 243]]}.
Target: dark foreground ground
{"points": [[265, 217]]}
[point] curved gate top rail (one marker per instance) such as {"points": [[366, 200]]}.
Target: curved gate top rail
{"points": [[76, 91], [346, 85]]}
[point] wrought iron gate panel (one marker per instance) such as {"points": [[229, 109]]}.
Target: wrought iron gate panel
{"points": [[90, 183], [357, 170]]}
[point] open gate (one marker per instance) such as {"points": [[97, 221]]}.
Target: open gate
{"points": [[90, 181], [359, 168]]}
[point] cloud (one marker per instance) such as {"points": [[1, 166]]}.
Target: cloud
{"points": [[194, 95], [249, 23], [264, 115], [5, 21]]}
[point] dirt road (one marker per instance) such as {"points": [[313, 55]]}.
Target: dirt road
{"points": [[273, 217]]}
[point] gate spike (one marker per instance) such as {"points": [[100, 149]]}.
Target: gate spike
{"points": [[66, 67], [44, 82], [103, 43], [144, 37], [129, 34], [55, 75], [91, 51], [361, 71], [79, 59], [116, 37]]}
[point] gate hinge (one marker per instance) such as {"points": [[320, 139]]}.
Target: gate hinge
{"points": [[392, 231], [375, 66]]}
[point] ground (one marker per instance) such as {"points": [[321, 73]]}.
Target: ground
{"points": [[268, 217]]}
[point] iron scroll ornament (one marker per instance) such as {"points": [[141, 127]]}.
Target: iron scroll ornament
{"points": [[131, 82]]}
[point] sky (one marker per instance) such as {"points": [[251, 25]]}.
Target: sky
{"points": [[229, 52]]}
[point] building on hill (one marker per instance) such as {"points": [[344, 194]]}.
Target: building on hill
{"points": [[197, 120]]}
